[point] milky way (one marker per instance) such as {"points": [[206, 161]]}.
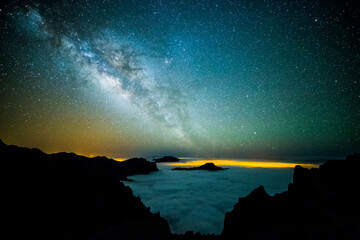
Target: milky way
{"points": [[225, 78], [116, 67]]}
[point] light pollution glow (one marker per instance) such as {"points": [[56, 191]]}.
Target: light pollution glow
{"points": [[249, 164], [239, 163]]}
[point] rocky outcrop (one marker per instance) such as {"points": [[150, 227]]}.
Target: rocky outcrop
{"points": [[65, 196], [166, 159], [206, 166], [136, 166], [320, 204]]}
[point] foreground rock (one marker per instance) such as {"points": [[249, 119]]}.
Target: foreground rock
{"points": [[166, 159], [206, 166], [320, 204], [135, 166], [65, 196]]}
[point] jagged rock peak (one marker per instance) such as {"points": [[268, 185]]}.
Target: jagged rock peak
{"points": [[258, 193]]}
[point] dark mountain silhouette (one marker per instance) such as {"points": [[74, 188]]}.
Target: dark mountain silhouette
{"points": [[320, 204], [166, 159], [66, 196], [206, 166], [25, 157]]}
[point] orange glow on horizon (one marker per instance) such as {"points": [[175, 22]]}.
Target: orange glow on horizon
{"points": [[120, 159], [99, 155], [249, 164]]}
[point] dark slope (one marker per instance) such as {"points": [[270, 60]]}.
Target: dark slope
{"points": [[320, 204], [65, 196]]}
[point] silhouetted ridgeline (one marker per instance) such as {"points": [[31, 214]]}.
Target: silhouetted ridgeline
{"points": [[65, 196], [72, 162], [320, 204]]}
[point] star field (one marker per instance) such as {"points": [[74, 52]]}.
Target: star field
{"points": [[203, 78]]}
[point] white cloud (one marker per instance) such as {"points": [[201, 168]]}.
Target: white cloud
{"points": [[198, 200]]}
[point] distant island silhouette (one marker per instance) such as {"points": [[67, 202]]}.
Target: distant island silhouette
{"points": [[66, 196], [206, 166], [166, 159]]}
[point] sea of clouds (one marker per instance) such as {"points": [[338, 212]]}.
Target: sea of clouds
{"points": [[198, 200]]}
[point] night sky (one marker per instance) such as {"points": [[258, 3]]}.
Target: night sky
{"points": [[187, 78]]}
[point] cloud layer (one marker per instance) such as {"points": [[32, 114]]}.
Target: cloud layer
{"points": [[198, 200]]}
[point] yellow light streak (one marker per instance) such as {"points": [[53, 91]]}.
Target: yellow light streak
{"points": [[239, 163], [120, 159]]}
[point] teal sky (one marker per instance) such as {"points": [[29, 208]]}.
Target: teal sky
{"points": [[205, 78]]}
